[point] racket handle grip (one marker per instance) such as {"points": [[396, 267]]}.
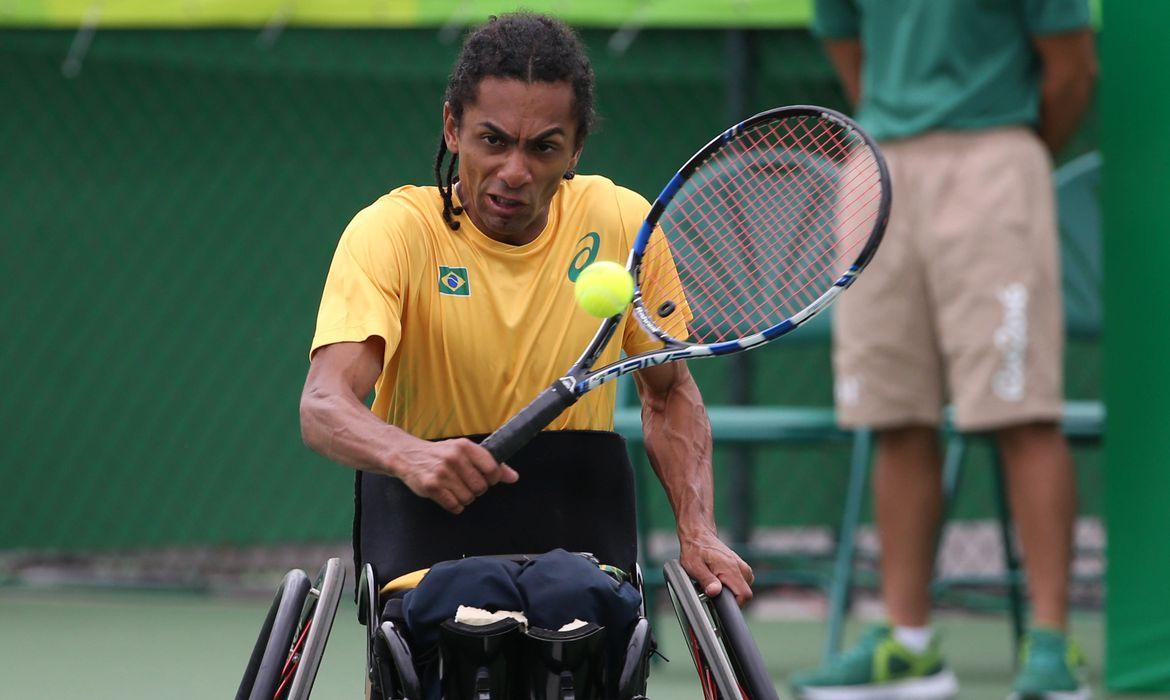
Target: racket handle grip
{"points": [[522, 427]]}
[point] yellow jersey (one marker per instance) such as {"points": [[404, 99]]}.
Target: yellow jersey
{"points": [[475, 328]]}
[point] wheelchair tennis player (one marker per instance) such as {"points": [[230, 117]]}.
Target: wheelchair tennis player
{"points": [[453, 303]]}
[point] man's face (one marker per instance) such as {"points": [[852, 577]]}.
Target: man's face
{"points": [[515, 143]]}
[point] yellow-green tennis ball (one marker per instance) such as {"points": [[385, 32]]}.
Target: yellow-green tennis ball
{"points": [[604, 289]]}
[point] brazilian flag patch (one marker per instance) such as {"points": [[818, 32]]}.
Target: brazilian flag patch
{"points": [[453, 281]]}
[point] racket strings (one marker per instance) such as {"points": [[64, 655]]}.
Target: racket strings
{"points": [[815, 193], [766, 225], [789, 252], [851, 241], [761, 195]]}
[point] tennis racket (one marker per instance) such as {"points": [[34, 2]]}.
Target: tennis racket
{"points": [[764, 227]]}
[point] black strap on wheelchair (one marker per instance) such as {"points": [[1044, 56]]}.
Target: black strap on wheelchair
{"points": [[501, 660], [481, 662], [567, 665]]}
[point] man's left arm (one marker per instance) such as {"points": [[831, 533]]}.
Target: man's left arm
{"points": [[678, 441], [1068, 72]]}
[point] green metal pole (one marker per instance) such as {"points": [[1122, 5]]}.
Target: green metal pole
{"points": [[1135, 104], [740, 76], [841, 588]]}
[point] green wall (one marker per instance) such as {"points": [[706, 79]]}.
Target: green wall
{"points": [[1135, 108]]}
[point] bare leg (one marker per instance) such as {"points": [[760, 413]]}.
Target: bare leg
{"points": [[1042, 490], [908, 498]]}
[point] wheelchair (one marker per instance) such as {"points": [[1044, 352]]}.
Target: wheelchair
{"points": [[291, 643], [558, 665], [725, 654]]}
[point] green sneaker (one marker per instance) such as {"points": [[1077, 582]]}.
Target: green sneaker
{"points": [[1051, 668], [879, 668]]}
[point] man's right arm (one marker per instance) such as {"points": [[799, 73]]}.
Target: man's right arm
{"points": [[845, 54], [336, 423], [838, 24], [1069, 71]]}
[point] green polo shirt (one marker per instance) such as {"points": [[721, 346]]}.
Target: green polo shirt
{"points": [[947, 64]]}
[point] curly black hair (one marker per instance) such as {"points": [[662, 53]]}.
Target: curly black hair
{"points": [[524, 46]]}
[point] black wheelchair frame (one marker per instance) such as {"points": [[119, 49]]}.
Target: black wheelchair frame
{"points": [[292, 639]]}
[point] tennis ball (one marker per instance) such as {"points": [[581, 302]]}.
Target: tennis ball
{"points": [[604, 289]]}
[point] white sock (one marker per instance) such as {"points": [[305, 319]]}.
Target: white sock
{"points": [[916, 639]]}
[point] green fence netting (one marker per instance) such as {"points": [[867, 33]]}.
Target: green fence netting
{"points": [[166, 220]]}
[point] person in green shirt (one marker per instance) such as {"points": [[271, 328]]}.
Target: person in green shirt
{"points": [[968, 98]]}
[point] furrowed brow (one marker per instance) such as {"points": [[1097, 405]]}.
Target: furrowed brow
{"points": [[510, 138], [548, 133], [498, 131]]}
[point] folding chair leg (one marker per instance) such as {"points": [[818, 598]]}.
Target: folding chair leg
{"points": [[842, 582], [1010, 559], [952, 479]]}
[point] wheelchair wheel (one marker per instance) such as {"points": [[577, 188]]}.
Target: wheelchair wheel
{"points": [[741, 648], [728, 661], [316, 623], [262, 674], [291, 643]]}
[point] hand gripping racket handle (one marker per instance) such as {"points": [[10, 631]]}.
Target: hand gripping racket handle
{"points": [[531, 419]]}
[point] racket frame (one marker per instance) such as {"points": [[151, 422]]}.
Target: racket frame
{"points": [[581, 378]]}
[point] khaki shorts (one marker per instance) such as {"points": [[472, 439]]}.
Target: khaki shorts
{"points": [[962, 301]]}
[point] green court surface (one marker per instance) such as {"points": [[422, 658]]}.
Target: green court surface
{"points": [[130, 645]]}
